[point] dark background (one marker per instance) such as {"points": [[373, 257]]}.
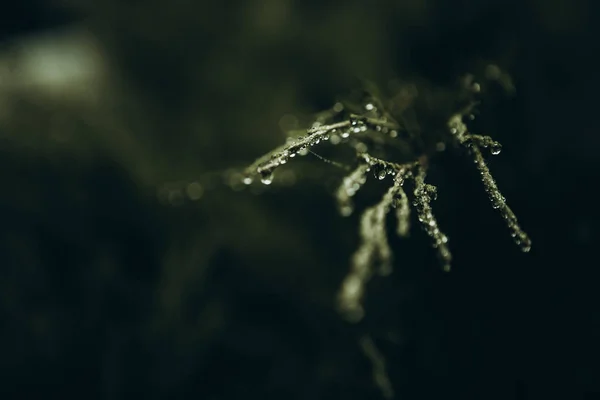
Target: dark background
{"points": [[107, 290]]}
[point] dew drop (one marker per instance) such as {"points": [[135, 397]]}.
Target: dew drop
{"points": [[496, 148], [247, 180], [346, 210], [195, 191], [361, 147], [266, 177]]}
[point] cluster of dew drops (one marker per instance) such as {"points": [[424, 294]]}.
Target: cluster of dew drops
{"points": [[335, 134]]}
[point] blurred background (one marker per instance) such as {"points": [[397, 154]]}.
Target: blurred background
{"points": [[112, 286]]}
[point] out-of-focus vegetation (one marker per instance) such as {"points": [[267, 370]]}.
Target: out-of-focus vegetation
{"points": [[112, 288]]}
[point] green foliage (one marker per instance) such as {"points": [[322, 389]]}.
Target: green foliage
{"points": [[377, 138]]}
